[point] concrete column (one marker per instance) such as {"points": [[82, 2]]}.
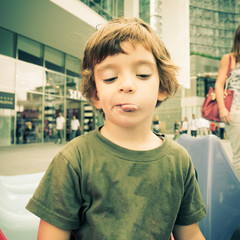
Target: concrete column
{"points": [[170, 19], [156, 16], [131, 8], [175, 35]]}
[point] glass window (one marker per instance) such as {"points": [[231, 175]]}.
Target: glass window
{"points": [[52, 106], [54, 83], [200, 87], [73, 88], [73, 108], [107, 8], [29, 77], [54, 59], [30, 51], [7, 43], [144, 10], [6, 127], [73, 66], [7, 73], [120, 8], [29, 117], [203, 85]]}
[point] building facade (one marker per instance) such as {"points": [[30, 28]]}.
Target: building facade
{"points": [[213, 24], [41, 45], [212, 27]]}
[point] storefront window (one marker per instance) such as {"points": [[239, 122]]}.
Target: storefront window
{"points": [[54, 83], [33, 89], [54, 59], [29, 77], [30, 50], [73, 109], [7, 43], [29, 117], [73, 88], [7, 73], [52, 106], [73, 66], [6, 127]]}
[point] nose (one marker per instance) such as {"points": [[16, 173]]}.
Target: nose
{"points": [[127, 85]]}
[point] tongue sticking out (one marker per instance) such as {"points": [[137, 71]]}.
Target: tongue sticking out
{"points": [[129, 107]]}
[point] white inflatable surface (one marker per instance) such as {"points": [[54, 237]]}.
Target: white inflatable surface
{"points": [[15, 221]]}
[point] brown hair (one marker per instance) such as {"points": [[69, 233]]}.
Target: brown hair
{"points": [[107, 42], [236, 44]]}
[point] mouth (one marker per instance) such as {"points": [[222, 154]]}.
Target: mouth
{"points": [[127, 107]]}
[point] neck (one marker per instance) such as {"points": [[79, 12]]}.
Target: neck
{"points": [[132, 138]]}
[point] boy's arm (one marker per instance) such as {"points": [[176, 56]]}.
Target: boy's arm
{"points": [[48, 231], [189, 232]]}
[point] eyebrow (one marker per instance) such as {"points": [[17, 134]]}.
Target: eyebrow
{"points": [[137, 63], [106, 66]]}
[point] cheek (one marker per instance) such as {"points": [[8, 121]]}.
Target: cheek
{"points": [[104, 99]]}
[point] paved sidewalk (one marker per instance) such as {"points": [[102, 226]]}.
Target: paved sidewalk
{"points": [[33, 158], [27, 158]]}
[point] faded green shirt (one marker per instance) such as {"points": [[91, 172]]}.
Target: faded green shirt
{"points": [[103, 191]]}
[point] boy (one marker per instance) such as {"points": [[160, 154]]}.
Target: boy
{"points": [[122, 181]]}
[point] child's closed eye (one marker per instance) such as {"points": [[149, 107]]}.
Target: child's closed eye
{"points": [[144, 76], [110, 79]]}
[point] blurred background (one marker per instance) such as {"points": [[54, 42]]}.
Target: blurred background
{"points": [[41, 46]]}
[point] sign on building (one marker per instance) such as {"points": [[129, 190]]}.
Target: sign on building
{"points": [[7, 100]]}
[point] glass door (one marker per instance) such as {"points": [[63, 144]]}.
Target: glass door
{"points": [[52, 106], [73, 111], [29, 118]]}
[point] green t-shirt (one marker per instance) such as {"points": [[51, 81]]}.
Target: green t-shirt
{"points": [[103, 191]]}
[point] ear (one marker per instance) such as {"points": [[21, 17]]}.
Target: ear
{"points": [[95, 99], [162, 96]]}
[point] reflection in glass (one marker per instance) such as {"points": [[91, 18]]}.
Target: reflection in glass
{"points": [[7, 73], [54, 59], [54, 83], [6, 126], [106, 8], [73, 108], [30, 51], [144, 10], [73, 87], [29, 77], [29, 118], [53, 105], [72, 66]]}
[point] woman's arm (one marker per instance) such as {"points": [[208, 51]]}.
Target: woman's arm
{"points": [[219, 89], [189, 232], [48, 231]]}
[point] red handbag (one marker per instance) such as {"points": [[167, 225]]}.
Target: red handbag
{"points": [[209, 108]]}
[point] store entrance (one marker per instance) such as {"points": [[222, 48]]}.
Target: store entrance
{"points": [[53, 106], [73, 109], [29, 118]]}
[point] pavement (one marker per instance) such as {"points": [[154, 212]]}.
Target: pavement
{"points": [[27, 158], [33, 158]]}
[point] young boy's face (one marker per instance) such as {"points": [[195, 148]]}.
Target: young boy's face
{"points": [[127, 86]]}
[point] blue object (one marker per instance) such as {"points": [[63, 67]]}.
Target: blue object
{"points": [[219, 185]]}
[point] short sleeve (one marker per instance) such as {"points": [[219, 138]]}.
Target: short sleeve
{"points": [[57, 199], [192, 208]]}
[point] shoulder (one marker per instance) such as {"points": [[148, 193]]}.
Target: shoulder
{"points": [[179, 149], [179, 154], [180, 162], [74, 151], [225, 58]]}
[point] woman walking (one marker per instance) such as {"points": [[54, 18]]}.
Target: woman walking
{"points": [[232, 118]]}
